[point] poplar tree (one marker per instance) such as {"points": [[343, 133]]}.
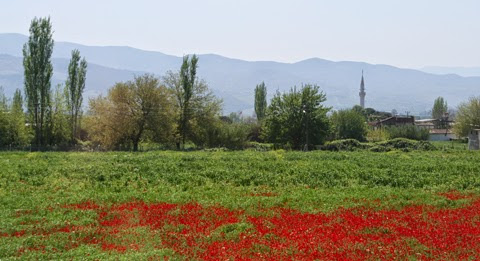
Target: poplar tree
{"points": [[260, 101], [75, 85], [440, 107], [38, 72], [188, 74]]}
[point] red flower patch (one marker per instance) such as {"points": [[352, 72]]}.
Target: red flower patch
{"points": [[213, 233], [455, 195]]}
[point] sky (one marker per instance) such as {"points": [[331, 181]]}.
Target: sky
{"points": [[404, 33]]}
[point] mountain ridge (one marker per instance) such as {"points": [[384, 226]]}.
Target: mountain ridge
{"points": [[388, 87]]}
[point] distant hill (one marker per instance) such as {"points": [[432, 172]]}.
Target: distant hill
{"points": [[462, 71], [99, 78], [233, 80]]}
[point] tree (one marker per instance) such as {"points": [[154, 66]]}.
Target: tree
{"points": [[21, 135], [349, 124], [4, 122], [297, 118], [260, 101], [203, 111], [188, 73], [12, 121], [468, 116], [439, 109], [360, 110], [38, 70], [60, 122], [75, 85], [133, 111]]}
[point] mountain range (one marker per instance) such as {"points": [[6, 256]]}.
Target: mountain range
{"points": [[234, 80]]}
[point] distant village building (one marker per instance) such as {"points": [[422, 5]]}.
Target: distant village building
{"points": [[442, 135], [474, 139], [362, 92], [426, 123], [393, 121], [439, 129]]}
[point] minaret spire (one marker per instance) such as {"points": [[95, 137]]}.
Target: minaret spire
{"points": [[362, 92]]}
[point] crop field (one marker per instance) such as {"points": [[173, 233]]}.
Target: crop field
{"points": [[216, 205]]}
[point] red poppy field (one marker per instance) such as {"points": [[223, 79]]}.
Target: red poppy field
{"points": [[217, 233], [226, 222]]}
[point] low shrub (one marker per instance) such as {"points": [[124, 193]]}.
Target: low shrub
{"points": [[404, 145], [257, 146], [344, 145]]}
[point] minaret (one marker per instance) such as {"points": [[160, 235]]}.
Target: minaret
{"points": [[362, 92]]}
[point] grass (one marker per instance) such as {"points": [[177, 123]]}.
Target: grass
{"points": [[36, 190]]}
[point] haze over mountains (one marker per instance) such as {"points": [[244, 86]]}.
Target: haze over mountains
{"points": [[462, 71], [233, 80]]}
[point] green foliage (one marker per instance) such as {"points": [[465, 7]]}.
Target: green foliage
{"points": [[229, 135], [358, 109], [133, 111], [344, 145], [408, 131], [468, 116], [439, 109], [4, 119], [349, 124], [122, 175], [188, 73], [13, 132], [404, 145], [257, 146], [297, 118], [203, 113], [75, 85], [44, 184], [38, 69], [60, 121], [375, 135], [260, 101]]}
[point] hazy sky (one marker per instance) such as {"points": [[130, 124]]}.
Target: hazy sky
{"points": [[406, 33]]}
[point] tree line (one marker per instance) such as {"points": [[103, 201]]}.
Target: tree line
{"points": [[175, 111]]}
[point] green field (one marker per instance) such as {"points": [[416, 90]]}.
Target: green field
{"points": [[52, 202]]}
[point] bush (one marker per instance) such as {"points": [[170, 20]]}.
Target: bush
{"points": [[378, 148], [404, 145], [260, 146], [377, 135], [408, 132], [349, 124], [344, 145], [232, 136]]}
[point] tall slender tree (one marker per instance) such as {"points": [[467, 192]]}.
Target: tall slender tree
{"points": [[75, 85], [38, 71], [440, 107], [260, 101], [188, 74]]}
